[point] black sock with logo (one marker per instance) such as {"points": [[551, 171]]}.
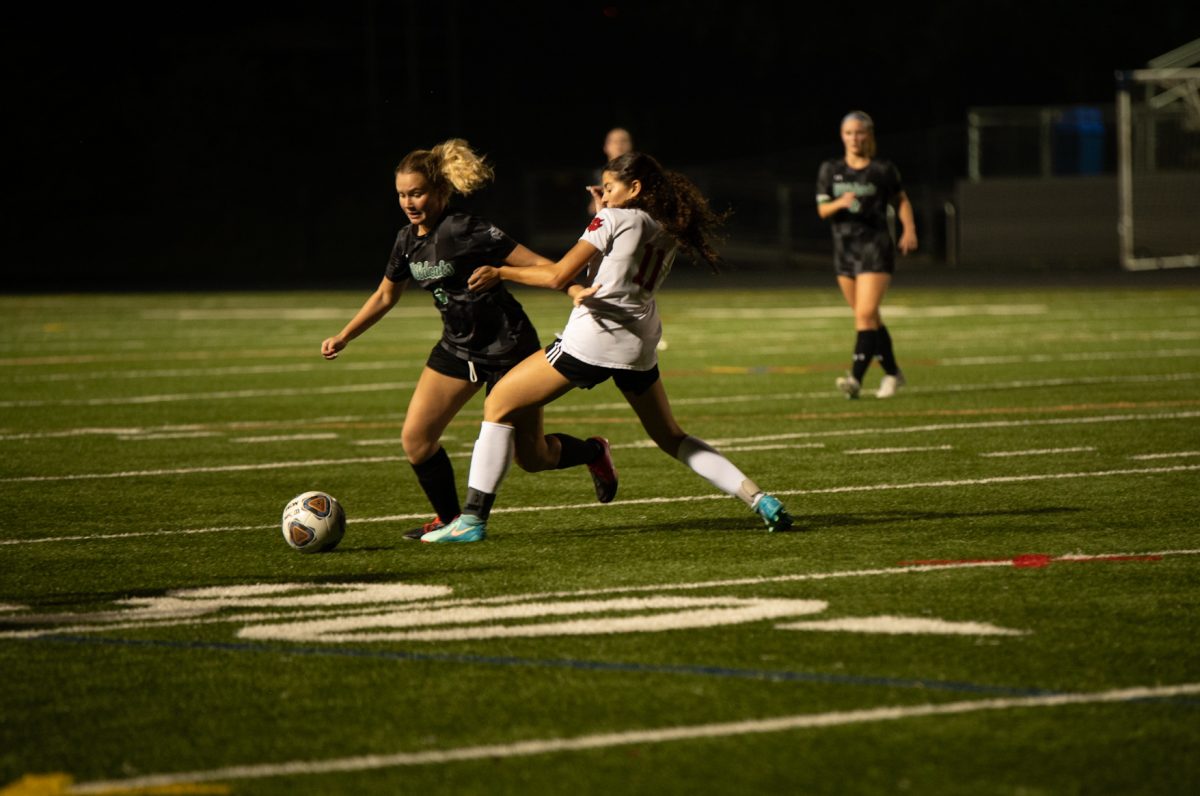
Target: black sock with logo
{"points": [[864, 351], [885, 354]]}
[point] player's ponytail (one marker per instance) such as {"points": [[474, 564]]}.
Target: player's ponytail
{"points": [[673, 201], [450, 167]]}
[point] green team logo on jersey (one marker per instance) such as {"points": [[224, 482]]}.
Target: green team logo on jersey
{"points": [[856, 188], [423, 271]]}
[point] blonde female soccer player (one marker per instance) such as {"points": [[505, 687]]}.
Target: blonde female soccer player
{"points": [[649, 215], [854, 192], [485, 331]]}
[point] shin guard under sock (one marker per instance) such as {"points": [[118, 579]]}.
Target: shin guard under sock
{"points": [[575, 451], [436, 477]]}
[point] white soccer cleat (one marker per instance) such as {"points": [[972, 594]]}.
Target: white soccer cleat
{"points": [[849, 385], [889, 384]]}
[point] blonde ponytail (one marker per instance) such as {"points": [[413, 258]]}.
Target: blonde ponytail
{"points": [[450, 167], [465, 170]]}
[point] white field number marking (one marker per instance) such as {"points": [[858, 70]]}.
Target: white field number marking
{"points": [[370, 612]]}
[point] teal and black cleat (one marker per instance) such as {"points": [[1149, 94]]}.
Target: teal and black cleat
{"points": [[464, 528], [773, 513], [433, 525]]}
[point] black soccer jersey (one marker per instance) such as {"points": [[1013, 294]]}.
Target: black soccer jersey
{"points": [[488, 328], [861, 239]]}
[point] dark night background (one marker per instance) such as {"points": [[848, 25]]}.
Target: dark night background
{"points": [[193, 144]]}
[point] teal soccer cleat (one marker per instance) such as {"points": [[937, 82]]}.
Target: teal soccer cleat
{"points": [[773, 513], [464, 528]]}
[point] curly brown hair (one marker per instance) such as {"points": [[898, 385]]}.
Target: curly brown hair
{"points": [[673, 201]]}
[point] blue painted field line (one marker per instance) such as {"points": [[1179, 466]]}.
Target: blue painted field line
{"points": [[768, 675]]}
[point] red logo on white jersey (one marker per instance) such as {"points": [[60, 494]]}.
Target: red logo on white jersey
{"points": [[595, 225]]}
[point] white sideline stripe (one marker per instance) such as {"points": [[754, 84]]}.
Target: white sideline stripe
{"points": [[228, 468], [578, 408], [229, 425], [286, 438], [385, 441], [1083, 356], [1180, 454], [942, 388], [278, 392], [608, 740], [583, 408], [246, 370], [277, 313], [893, 311], [1075, 382], [861, 451], [177, 435], [1039, 452], [779, 446], [1006, 479], [900, 626], [850, 432]]}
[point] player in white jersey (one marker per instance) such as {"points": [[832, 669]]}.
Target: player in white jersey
{"points": [[627, 251]]}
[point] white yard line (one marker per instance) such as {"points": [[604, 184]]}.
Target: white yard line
{"points": [[948, 484], [1176, 455], [278, 392], [228, 468], [772, 447], [1038, 452], [285, 438], [838, 311], [175, 435], [770, 438], [608, 740], [865, 451], [1082, 356], [246, 370], [230, 425]]}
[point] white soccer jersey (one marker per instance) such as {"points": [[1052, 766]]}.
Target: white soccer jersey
{"points": [[618, 327]]}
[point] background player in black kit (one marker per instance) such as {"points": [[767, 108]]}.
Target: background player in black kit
{"points": [[855, 191], [485, 331]]}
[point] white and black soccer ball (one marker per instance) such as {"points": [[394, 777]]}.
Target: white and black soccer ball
{"points": [[313, 522]]}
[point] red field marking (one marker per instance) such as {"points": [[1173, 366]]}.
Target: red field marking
{"points": [[1027, 560]]}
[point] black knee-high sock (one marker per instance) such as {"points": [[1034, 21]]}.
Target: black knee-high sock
{"points": [[883, 351], [576, 451], [436, 476], [864, 351]]}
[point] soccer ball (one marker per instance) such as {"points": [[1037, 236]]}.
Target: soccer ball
{"points": [[313, 522]]}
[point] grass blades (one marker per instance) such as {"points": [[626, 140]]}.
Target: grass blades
{"points": [[991, 588]]}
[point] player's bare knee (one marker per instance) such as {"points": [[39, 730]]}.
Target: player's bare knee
{"points": [[417, 447], [497, 410]]}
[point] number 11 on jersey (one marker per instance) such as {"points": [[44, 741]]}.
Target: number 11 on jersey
{"points": [[653, 268]]}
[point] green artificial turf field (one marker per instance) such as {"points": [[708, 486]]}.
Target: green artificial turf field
{"points": [[993, 586]]}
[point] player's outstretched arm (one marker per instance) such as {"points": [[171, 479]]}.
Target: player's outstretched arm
{"points": [[486, 277], [374, 308], [554, 276]]}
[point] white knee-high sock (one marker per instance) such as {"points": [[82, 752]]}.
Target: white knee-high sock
{"points": [[491, 458], [706, 462]]}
